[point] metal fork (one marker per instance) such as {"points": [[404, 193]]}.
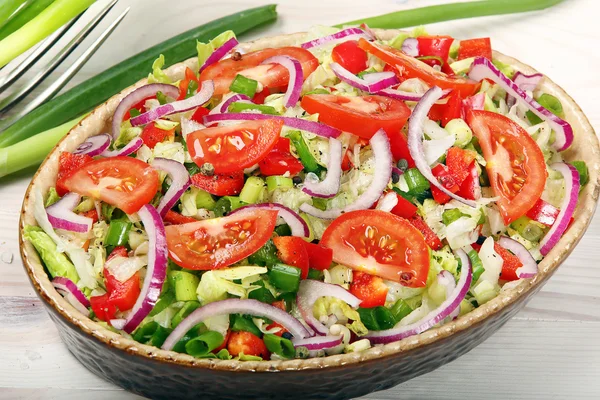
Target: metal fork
{"points": [[16, 71]]}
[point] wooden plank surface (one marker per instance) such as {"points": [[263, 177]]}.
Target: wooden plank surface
{"points": [[548, 351]]}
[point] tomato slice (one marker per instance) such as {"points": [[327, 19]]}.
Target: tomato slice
{"points": [[233, 148], [152, 135], [269, 75], [247, 343], [124, 182], [480, 47], [410, 67], [379, 243], [430, 237], [67, 164], [458, 162], [319, 257], [220, 185], [510, 263], [292, 251], [173, 218], [362, 116], [219, 242], [515, 163], [370, 289], [350, 56]]}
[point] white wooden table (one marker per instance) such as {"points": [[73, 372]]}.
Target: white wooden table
{"points": [[548, 351]]}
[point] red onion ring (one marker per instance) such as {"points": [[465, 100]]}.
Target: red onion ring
{"points": [[529, 268], [129, 148], [376, 83], [567, 208], [223, 106], [388, 202], [318, 342], [94, 145], [370, 32], [434, 316], [180, 182], [219, 53], [407, 96], [410, 47], [310, 291], [329, 186], [156, 271], [297, 224], [298, 123], [294, 87], [381, 177], [204, 94], [475, 102], [69, 290], [236, 306], [135, 97], [61, 215], [482, 68], [341, 36], [415, 141], [525, 82]]}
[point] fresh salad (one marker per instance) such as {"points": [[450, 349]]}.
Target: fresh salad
{"points": [[310, 200]]}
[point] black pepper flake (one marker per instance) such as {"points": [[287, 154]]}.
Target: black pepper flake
{"points": [[297, 180], [287, 335], [207, 169], [395, 177], [236, 56]]}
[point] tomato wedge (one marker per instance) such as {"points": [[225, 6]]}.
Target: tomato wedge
{"points": [[233, 148], [67, 164], [350, 56], [515, 163], [379, 243], [124, 182], [362, 116], [292, 251], [269, 75], [410, 67], [219, 242], [220, 185]]}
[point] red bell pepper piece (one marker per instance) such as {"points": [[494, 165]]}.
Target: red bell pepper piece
{"points": [[369, 288], [319, 257], [480, 47], [280, 160], [510, 263], [447, 180], [543, 212], [430, 237], [404, 208]]}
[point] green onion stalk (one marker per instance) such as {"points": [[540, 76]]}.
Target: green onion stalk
{"points": [[22, 16]]}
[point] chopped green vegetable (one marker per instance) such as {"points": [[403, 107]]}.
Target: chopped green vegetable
{"points": [[451, 215], [280, 346], [283, 230], [315, 274], [118, 232], [416, 182], [205, 200], [285, 277], [265, 256], [161, 97], [226, 204], [377, 318], [98, 88], [165, 300], [204, 50], [452, 11], [504, 68], [550, 103], [261, 294], [203, 343], [582, 168], [476, 265], [52, 198], [192, 89], [244, 85], [185, 285], [8, 8], [186, 310], [252, 190], [400, 309], [145, 332], [160, 336], [240, 323], [529, 229], [237, 107], [306, 156], [192, 333], [279, 182], [57, 263]]}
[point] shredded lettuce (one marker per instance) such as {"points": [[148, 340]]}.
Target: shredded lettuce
{"points": [[492, 262], [158, 75], [217, 284], [127, 134], [52, 198], [56, 262], [292, 197], [326, 306], [338, 275], [206, 49]]}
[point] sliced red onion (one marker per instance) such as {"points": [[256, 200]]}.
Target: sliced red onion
{"points": [[377, 82], [180, 181], [297, 224], [219, 53], [223, 106], [341, 36], [482, 68], [410, 47], [567, 208], [330, 186], [475, 102], [446, 279], [524, 82], [156, 271], [134, 98], [61, 215], [370, 32], [381, 177], [407, 96], [319, 342], [131, 147], [236, 306], [298, 123], [188, 126], [388, 202], [294, 87], [94, 145], [69, 290], [434, 316], [415, 141], [529, 268], [310, 291], [204, 94]]}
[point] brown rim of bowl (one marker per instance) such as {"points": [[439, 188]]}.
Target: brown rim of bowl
{"points": [[586, 147]]}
